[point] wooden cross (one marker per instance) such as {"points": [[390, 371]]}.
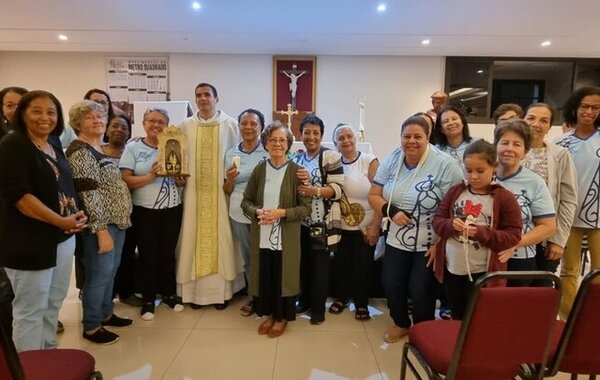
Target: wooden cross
{"points": [[289, 114]]}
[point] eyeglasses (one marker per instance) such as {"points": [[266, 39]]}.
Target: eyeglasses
{"points": [[277, 141], [156, 121], [592, 107]]}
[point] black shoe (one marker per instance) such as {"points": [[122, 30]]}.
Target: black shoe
{"points": [[195, 306], [301, 309], [147, 312], [222, 306], [60, 328], [317, 319], [173, 303], [115, 321], [101, 336], [132, 300]]}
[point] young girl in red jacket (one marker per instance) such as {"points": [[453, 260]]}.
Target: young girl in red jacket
{"points": [[476, 220]]}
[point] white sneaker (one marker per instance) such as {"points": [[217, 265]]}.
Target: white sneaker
{"points": [[173, 303], [147, 313]]}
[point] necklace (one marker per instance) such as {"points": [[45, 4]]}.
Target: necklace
{"points": [[43, 146]]}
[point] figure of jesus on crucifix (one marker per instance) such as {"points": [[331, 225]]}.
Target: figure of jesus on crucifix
{"points": [[293, 74]]}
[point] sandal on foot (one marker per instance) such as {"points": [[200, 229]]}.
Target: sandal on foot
{"points": [[362, 314], [247, 310], [337, 307]]}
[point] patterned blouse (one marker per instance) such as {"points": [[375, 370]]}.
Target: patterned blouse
{"points": [[106, 198]]}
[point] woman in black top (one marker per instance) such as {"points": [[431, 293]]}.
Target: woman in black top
{"points": [[39, 213]]}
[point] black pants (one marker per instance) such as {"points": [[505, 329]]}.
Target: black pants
{"points": [[542, 263], [521, 265], [457, 289], [352, 267], [404, 275], [158, 231], [6, 297], [270, 300], [314, 276], [125, 279]]}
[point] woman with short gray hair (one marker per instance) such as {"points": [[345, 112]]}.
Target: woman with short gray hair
{"points": [[157, 212], [107, 201]]}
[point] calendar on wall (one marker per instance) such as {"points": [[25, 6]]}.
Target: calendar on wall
{"points": [[136, 79]]}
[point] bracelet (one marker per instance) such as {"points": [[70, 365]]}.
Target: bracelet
{"points": [[318, 192]]}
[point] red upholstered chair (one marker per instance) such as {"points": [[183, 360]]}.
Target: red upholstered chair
{"points": [[59, 364], [578, 350], [502, 328]]}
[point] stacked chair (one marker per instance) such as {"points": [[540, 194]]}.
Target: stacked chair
{"points": [[577, 351], [58, 364], [503, 328]]}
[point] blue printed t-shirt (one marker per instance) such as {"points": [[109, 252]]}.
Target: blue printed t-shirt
{"points": [[586, 157], [248, 161], [534, 199], [159, 194], [419, 197], [270, 234]]}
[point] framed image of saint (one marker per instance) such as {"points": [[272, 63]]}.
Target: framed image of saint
{"points": [[172, 153], [294, 89]]}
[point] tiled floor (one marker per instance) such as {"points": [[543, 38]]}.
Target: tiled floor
{"points": [[212, 344]]}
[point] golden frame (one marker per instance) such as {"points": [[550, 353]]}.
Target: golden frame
{"points": [[172, 153]]}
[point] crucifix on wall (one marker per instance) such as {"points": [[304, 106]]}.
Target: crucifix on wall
{"points": [[293, 90]]}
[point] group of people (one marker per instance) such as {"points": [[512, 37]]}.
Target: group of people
{"points": [[446, 206]]}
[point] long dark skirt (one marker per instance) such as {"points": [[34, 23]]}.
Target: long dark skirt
{"points": [[269, 301]]}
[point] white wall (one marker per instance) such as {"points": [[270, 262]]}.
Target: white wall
{"points": [[395, 87]]}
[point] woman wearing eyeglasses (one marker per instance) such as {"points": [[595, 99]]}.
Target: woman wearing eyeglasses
{"points": [[10, 97], [107, 201], [275, 208], [157, 213], [582, 109]]}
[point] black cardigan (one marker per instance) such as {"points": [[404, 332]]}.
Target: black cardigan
{"points": [[26, 243]]}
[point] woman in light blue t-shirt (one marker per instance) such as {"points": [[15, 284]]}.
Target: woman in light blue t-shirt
{"points": [[157, 213], [512, 139], [240, 161]]}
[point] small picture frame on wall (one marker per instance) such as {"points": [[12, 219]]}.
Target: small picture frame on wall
{"points": [[172, 153], [294, 89]]}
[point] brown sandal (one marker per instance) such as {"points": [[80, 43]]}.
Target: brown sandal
{"points": [[338, 306], [362, 314], [247, 310], [265, 327]]}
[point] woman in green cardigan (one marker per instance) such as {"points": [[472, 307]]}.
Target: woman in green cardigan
{"points": [[272, 203]]}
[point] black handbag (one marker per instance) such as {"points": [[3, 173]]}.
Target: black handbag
{"points": [[318, 237]]}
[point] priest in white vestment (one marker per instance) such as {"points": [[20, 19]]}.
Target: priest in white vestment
{"points": [[209, 269]]}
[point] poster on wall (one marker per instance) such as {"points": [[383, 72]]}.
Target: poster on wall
{"points": [[136, 79]]}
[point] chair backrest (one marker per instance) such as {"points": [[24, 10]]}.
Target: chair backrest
{"points": [[579, 349], [504, 327], [10, 366]]}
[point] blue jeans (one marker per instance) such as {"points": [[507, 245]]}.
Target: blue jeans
{"points": [[39, 295], [100, 271], [404, 274], [241, 233]]}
